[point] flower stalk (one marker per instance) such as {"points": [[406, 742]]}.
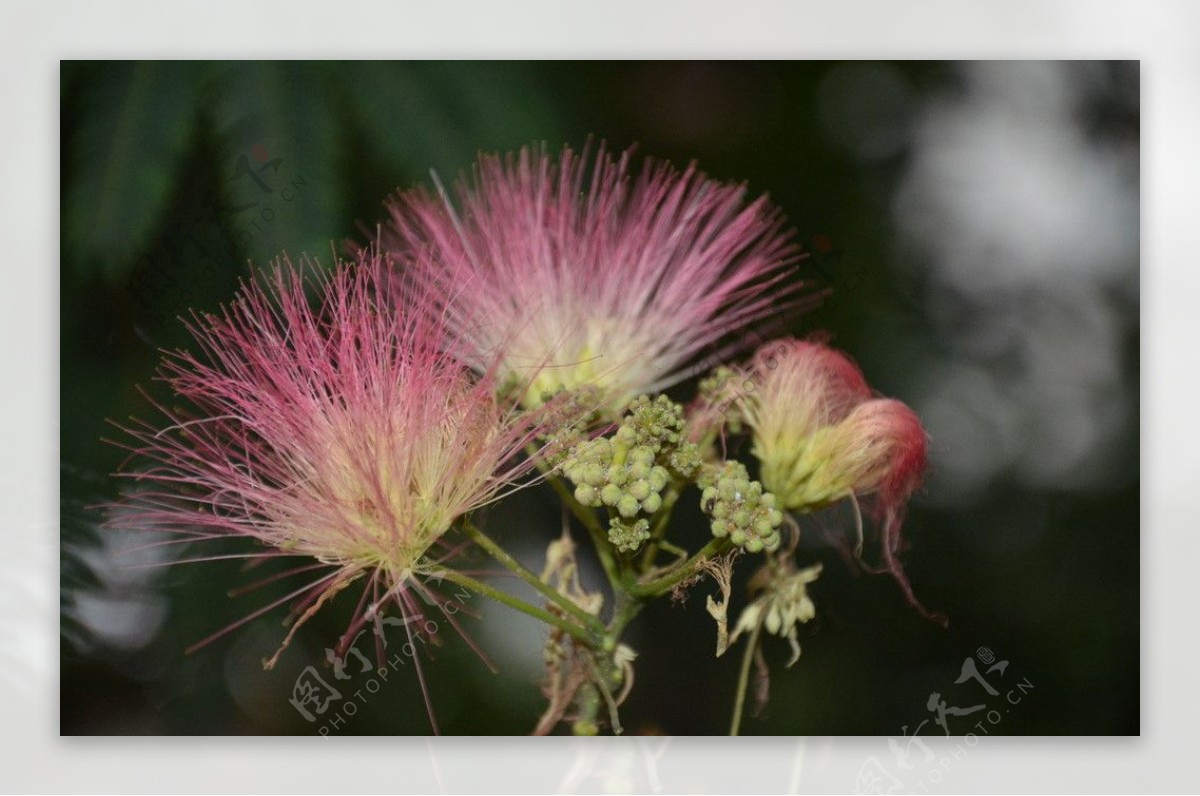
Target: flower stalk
{"points": [[521, 571], [585, 635], [743, 682]]}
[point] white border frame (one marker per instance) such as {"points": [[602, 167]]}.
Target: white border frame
{"points": [[35, 36]]}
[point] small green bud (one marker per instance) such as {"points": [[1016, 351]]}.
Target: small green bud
{"points": [[652, 503], [627, 506], [628, 536], [642, 455], [593, 475], [686, 459], [640, 490], [587, 495], [610, 494]]}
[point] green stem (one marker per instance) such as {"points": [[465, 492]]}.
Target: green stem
{"points": [[626, 609], [682, 572], [592, 696], [660, 526], [586, 516], [599, 677], [514, 602], [744, 679], [517, 568], [581, 512], [587, 701], [595, 529]]}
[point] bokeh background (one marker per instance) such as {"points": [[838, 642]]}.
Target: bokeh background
{"points": [[978, 224]]}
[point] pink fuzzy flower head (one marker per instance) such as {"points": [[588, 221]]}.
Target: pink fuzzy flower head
{"points": [[821, 437], [577, 272], [334, 428]]}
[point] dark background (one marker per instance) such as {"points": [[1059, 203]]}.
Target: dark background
{"points": [[978, 224]]}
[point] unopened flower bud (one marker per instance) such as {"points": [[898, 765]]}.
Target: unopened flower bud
{"points": [[626, 536], [587, 495], [610, 494], [628, 506], [740, 508]]}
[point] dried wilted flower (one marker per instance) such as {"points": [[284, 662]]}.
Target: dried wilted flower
{"points": [[578, 273], [821, 437], [782, 603], [338, 429]]}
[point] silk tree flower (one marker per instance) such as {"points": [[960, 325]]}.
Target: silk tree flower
{"points": [[336, 429], [821, 437], [578, 272]]}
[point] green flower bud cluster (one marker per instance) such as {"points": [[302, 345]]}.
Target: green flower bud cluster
{"points": [[611, 472], [686, 459], [567, 416], [740, 508], [557, 448], [628, 471], [659, 425], [626, 535]]}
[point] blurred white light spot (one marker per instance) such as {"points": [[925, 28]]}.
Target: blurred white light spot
{"points": [[124, 622], [1023, 230], [972, 433]]}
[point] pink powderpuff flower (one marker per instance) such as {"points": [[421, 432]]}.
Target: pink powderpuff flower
{"points": [[576, 272], [337, 429], [821, 437]]}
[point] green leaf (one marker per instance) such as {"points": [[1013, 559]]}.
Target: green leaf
{"points": [[406, 121], [279, 161], [423, 115], [504, 103], [134, 130]]}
